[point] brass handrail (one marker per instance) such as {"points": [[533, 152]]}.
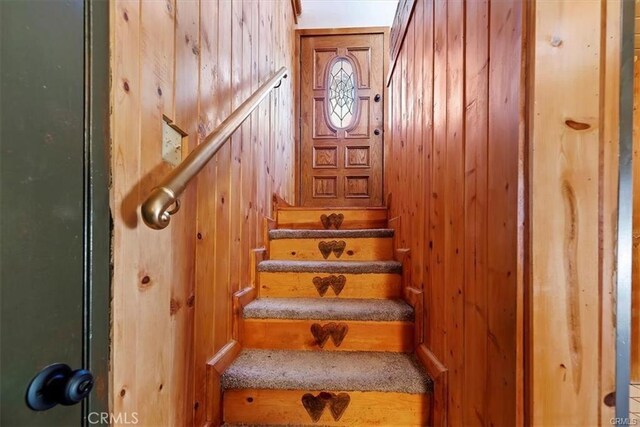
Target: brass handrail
{"points": [[155, 210]]}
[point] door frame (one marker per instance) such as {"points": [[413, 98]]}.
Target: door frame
{"points": [[624, 252], [297, 88], [96, 325]]}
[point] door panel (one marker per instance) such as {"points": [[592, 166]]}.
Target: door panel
{"points": [[341, 111], [46, 186]]}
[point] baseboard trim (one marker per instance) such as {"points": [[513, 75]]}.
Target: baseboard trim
{"points": [[439, 374], [257, 255], [223, 358], [240, 299], [415, 298], [395, 224], [403, 256], [215, 368], [268, 224]]}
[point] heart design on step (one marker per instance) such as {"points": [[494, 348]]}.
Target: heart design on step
{"points": [[337, 332], [333, 246], [339, 404], [322, 285], [336, 282], [333, 219], [315, 405], [337, 220], [320, 334]]}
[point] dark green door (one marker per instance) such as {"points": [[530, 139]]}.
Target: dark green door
{"points": [[52, 203]]}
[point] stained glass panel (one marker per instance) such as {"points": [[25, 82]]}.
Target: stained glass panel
{"points": [[342, 93]]}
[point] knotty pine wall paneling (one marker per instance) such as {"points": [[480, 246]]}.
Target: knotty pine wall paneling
{"points": [[518, 184], [476, 218], [573, 147], [193, 62], [456, 147]]}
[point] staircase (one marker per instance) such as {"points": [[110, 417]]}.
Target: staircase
{"points": [[329, 339]]}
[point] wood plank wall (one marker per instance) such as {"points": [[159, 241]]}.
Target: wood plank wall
{"points": [[635, 320], [453, 165], [192, 61], [573, 146]]}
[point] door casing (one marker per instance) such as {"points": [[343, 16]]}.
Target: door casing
{"points": [[98, 221]]}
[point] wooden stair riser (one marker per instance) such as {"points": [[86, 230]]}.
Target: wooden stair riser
{"points": [[311, 219], [268, 407], [328, 335], [301, 285], [353, 249]]}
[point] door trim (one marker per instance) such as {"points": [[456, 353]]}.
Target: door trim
{"points": [[97, 215], [624, 253], [297, 87]]}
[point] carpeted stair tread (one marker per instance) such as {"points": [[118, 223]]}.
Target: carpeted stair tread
{"points": [[327, 371], [274, 425], [329, 309], [335, 267], [329, 234], [270, 425]]}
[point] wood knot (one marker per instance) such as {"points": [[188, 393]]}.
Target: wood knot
{"points": [[202, 130], [174, 306], [577, 125], [145, 283], [610, 399], [556, 41]]}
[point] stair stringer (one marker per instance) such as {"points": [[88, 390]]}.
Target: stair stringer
{"points": [[217, 365], [415, 297]]}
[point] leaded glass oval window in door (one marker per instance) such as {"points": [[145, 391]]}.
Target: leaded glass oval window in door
{"points": [[342, 93]]}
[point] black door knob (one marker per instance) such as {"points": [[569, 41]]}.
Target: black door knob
{"points": [[377, 97], [58, 384], [376, 131]]}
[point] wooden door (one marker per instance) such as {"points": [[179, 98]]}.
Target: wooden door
{"points": [[341, 126]]}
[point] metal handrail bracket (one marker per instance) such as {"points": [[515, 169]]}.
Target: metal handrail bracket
{"points": [[155, 210]]}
